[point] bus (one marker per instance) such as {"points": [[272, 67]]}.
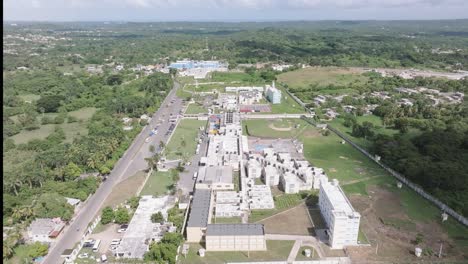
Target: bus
{"points": [[96, 245]]}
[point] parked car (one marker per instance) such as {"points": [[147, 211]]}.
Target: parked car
{"points": [[121, 230], [124, 226], [195, 175], [84, 255]]}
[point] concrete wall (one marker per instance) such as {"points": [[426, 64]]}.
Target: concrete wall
{"points": [[235, 243]]}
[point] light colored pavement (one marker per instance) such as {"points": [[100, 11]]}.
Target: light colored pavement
{"points": [[294, 250], [131, 162]]}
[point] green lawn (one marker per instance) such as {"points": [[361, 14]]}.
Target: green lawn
{"points": [[340, 161], [261, 127], [195, 109], [71, 130], [84, 113], [276, 251], [158, 183], [282, 203], [287, 105], [205, 88], [234, 77], [183, 94], [321, 76], [184, 140], [236, 180]]}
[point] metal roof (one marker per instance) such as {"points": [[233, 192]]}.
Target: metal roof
{"points": [[235, 230], [200, 208]]}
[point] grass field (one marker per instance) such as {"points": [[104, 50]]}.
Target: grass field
{"points": [[240, 77], [321, 76], [282, 203], [158, 183], [276, 251], [183, 94], [287, 105], [195, 109], [184, 140], [263, 127], [71, 130]]}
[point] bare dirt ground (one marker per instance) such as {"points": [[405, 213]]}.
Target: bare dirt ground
{"points": [[272, 126], [106, 237], [395, 244], [125, 189], [292, 222]]}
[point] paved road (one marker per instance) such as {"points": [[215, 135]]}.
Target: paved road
{"points": [[131, 162]]}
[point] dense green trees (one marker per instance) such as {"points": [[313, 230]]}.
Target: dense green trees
{"points": [[165, 251], [157, 217], [49, 103], [50, 205], [107, 215]]}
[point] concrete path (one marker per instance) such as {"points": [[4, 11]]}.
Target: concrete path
{"points": [[294, 250]]}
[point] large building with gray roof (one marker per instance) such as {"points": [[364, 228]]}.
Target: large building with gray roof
{"points": [[235, 237]]}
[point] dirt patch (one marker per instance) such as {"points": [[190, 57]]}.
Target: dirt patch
{"points": [[311, 133], [272, 126], [384, 223], [293, 222], [125, 189], [345, 158], [332, 170], [106, 237]]}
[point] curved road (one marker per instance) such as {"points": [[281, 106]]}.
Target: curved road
{"points": [[131, 162]]}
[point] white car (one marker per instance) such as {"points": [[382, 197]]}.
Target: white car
{"points": [[147, 139], [195, 175], [84, 255], [121, 230]]}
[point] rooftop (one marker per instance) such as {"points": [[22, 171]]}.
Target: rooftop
{"points": [[215, 174], [235, 230], [338, 199], [200, 208]]}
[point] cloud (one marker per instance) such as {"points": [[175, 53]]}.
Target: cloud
{"points": [[251, 4]]}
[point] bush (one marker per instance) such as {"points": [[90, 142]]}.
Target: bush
{"points": [[107, 215], [37, 250], [72, 119], [157, 217], [60, 119], [46, 120], [122, 216]]}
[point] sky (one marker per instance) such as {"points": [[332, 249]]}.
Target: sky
{"points": [[231, 10]]}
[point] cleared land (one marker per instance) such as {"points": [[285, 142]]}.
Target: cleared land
{"points": [[276, 250], [287, 105], [195, 108], [71, 130], [321, 76], [282, 203], [184, 140], [159, 183], [291, 222], [125, 189]]}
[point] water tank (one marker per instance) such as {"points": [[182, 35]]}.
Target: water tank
{"points": [[418, 252]]}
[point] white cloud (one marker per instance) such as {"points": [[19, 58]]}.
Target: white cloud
{"points": [[254, 4]]}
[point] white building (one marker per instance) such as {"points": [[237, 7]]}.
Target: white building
{"points": [[260, 197], [250, 97], [235, 237], [215, 178], [339, 215], [45, 230], [273, 94], [230, 89], [254, 170], [270, 175]]}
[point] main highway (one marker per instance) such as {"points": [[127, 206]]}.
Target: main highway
{"points": [[131, 162]]}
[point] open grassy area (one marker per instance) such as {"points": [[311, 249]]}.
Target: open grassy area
{"points": [[278, 128], [195, 109], [282, 203], [276, 251], [340, 161], [125, 189], [240, 77], [321, 76], [375, 120], [287, 105], [184, 140], [159, 183], [71, 130], [183, 94]]}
